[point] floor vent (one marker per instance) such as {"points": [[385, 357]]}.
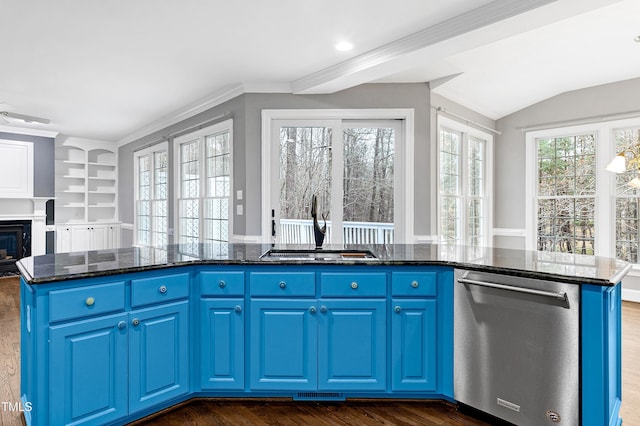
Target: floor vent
{"points": [[319, 396]]}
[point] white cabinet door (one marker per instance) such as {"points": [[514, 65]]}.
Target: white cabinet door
{"points": [[113, 236], [63, 239], [98, 237], [80, 238]]}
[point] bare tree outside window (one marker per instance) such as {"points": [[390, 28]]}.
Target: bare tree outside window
{"points": [[368, 175], [366, 178], [566, 194], [627, 203]]}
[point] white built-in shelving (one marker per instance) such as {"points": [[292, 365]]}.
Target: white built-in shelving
{"points": [[86, 187]]}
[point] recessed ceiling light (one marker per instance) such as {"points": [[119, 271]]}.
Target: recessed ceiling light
{"points": [[637, 39], [344, 46]]}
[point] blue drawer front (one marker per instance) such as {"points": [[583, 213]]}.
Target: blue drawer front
{"points": [[147, 291], [85, 301], [282, 284], [218, 283], [340, 284], [414, 283]]}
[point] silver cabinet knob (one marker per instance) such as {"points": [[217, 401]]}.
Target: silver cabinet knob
{"points": [[222, 284], [323, 309], [283, 284], [238, 308], [397, 309], [414, 284], [122, 325], [89, 301], [135, 322], [312, 310], [163, 289], [354, 285]]}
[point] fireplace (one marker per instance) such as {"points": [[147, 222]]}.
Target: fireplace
{"points": [[15, 243]]}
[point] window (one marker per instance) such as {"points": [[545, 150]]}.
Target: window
{"points": [[151, 222], [574, 205], [566, 194], [203, 188], [464, 184], [627, 222], [355, 161]]}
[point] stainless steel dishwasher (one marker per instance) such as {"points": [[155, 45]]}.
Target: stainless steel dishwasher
{"points": [[517, 348]]}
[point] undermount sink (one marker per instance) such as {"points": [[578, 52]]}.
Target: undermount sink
{"points": [[312, 255]]}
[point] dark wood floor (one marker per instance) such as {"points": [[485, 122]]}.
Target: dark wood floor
{"points": [[209, 412], [283, 412]]}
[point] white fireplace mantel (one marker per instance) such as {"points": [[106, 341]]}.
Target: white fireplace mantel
{"points": [[33, 209]]}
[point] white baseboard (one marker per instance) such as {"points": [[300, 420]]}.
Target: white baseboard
{"points": [[509, 232], [425, 239], [631, 295], [247, 239]]}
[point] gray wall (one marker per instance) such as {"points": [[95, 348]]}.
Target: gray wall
{"points": [[246, 112], [43, 162]]}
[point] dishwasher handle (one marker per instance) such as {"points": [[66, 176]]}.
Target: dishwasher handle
{"points": [[559, 296]]}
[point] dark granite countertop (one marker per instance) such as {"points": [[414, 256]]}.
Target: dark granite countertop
{"points": [[571, 268]]}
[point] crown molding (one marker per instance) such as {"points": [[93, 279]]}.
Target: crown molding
{"points": [[205, 104], [202, 105], [481, 17], [27, 131]]}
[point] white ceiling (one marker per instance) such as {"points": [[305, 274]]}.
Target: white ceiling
{"points": [[116, 70]]}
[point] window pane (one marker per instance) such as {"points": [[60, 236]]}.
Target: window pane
{"points": [[449, 162], [190, 170], [462, 181], [305, 170], [475, 176], [368, 185], [450, 220], [566, 194], [627, 201]]}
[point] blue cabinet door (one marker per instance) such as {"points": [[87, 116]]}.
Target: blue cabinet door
{"points": [[413, 345], [88, 371], [158, 354], [222, 344], [284, 342], [352, 344]]}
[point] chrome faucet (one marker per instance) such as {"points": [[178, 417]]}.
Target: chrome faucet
{"points": [[318, 232]]}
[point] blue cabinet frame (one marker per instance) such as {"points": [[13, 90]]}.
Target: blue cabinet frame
{"points": [[229, 330]]}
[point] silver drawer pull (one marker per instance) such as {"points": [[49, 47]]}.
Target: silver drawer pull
{"points": [[222, 284], [122, 325], [283, 284], [323, 309], [163, 289], [354, 285], [135, 322], [414, 284], [312, 310], [238, 308], [559, 296], [89, 301], [397, 309]]}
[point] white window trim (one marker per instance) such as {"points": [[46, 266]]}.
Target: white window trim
{"points": [[457, 126], [223, 126], [604, 214], [163, 146], [405, 180]]}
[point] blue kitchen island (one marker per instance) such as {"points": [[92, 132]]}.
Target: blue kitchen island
{"points": [[108, 337]]}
